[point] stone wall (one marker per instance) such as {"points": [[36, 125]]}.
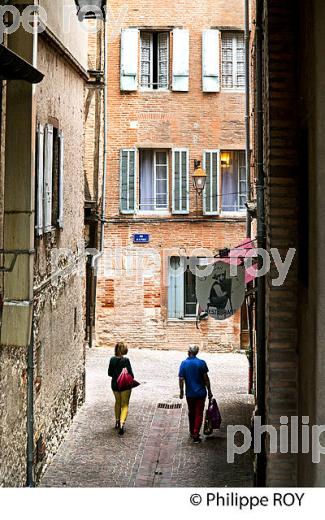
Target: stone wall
{"points": [[59, 354]]}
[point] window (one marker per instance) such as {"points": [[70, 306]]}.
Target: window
{"points": [[233, 181], [49, 179], [154, 60], [153, 71], [226, 187], [182, 289], [153, 180], [151, 191], [233, 60]]}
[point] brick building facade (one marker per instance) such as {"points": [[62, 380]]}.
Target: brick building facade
{"points": [[176, 94]]}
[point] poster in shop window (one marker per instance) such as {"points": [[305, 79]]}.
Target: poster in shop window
{"points": [[221, 293]]}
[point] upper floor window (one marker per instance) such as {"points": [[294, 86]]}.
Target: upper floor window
{"points": [[153, 180], [233, 60], [152, 73], [145, 180], [233, 181], [226, 187], [154, 69], [49, 179]]}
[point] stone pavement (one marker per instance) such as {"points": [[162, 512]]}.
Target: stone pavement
{"points": [[156, 450]]}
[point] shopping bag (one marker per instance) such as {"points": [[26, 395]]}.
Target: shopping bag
{"points": [[214, 414], [207, 430], [124, 380]]}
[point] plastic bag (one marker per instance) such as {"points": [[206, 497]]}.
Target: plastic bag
{"points": [[214, 414]]}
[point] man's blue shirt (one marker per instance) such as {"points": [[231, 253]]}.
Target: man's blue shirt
{"points": [[193, 370]]}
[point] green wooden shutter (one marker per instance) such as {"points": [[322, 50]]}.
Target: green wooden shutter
{"points": [[128, 181], [211, 195], [181, 192]]}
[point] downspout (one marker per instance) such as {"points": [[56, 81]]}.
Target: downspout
{"points": [[30, 477], [247, 115], [30, 482], [95, 259], [261, 242]]}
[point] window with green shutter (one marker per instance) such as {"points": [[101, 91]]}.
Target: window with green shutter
{"points": [[180, 203], [211, 196], [127, 180]]}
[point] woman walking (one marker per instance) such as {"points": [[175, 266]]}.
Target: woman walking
{"points": [[122, 398]]}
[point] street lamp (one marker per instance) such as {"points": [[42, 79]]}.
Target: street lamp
{"points": [[199, 177], [91, 9]]}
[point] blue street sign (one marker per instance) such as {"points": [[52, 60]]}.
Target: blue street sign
{"points": [[141, 238]]}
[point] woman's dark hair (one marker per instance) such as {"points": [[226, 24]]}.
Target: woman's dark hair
{"points": [[120, 349]]}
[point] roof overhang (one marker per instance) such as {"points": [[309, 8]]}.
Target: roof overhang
{"points": [[14, 67]]}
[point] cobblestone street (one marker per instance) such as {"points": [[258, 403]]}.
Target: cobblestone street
{"points": [[156, 450]]}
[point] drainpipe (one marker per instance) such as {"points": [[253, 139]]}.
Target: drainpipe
{"points": [[247, 114], [95, 259], [30, 478], [261, 242], [30, 482], [104, 140]]}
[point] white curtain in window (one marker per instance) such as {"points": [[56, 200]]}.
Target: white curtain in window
{"points": [[163, 60], [230, 185], [146, 60], [146, 180]]}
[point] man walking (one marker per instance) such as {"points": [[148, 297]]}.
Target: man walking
{"points": [[194, 373]]}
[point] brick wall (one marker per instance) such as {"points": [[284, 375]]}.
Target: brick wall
{"points": [[194, 120], [281, 166]]}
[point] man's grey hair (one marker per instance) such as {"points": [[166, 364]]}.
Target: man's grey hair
{"points": [[193, 349]]}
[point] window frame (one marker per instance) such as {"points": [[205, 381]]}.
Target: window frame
{"points": [[182, 292], [156, 210], [232, 213], [151, 88], [234, 34]]}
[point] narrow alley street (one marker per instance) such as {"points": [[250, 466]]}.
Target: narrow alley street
{"points": [[156, 450]]}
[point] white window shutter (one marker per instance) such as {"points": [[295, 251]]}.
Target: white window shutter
{"points": [[211, 60], [61, 182], [129, 59], [39, 181], [180, 186], [181, 60], [211, 195], [176, 287], [128, 171], [48, 166]]}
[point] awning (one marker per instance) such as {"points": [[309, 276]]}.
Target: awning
{"points": [[13, 66]]}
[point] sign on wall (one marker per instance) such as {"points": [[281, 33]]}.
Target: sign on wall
{"points": [[141, 238], [221, 294]]}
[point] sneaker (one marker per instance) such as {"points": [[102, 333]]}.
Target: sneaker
{"points": [[197, 440], [121, 430], [117, 425]]}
